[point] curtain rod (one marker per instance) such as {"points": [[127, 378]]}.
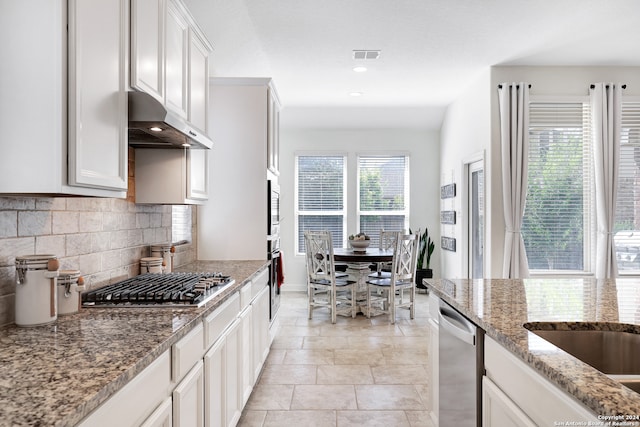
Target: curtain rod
{"points": [[594, 86], [517, 86]]}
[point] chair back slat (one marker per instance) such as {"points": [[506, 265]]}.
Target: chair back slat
{"points": [[405, 258]]}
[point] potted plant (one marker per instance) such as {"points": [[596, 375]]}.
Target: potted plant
{"points": [[426, 247]]}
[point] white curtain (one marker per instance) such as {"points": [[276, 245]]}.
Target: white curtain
{"points": [[514, 141], [606, 113]]}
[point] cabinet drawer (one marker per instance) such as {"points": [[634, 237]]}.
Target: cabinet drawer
{"points": [[245, 296], [187, 352], [538, 398], [137, 399], [259, 282], [220, 319]]}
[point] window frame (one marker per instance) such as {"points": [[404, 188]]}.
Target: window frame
{"points": [[407, 188], [298, 212], [589, 210]]}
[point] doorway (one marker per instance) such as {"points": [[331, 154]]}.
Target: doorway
{"points": [[475, 214]]}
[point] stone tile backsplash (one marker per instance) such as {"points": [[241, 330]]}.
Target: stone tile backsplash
{"points": [[103, 238]]}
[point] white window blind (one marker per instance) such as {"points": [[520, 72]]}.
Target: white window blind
{"points": [[557, 223], [383, 187], [320, 183], [180, 224], [627, 224]]}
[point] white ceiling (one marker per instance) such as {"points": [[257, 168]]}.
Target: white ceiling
{"points": [[431, 49]]}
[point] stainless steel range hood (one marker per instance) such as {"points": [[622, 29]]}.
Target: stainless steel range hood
{"points": [[151, 125]]}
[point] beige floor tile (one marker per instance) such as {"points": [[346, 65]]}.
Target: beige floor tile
{"points": [[344, 374], [309, 357], [283, 342], [397, 356], [400, 374], [252, 418], [288, 374], [419, 419], [323, 397], [270, 397], [326, 343], [275, 357], [299, 387], [298, 331], [300, 418], [372, 419], [359, 357], [388, 397]]}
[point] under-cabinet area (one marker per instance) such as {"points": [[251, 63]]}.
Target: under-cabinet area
{"points": [[143, 366]]}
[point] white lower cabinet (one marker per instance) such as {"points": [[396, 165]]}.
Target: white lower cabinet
{"points": [[214, 385], [188, 399], [260, 329], [136, 401], [233, 374], [246, 353], [499, 410], [162, 416], [514, 391]]}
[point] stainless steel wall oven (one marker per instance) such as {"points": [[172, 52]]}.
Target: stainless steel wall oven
{"points": [[273, 246]]}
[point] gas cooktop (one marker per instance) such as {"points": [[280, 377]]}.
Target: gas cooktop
{"points": [[160, 290]]}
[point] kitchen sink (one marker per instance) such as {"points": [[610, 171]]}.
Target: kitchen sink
{"points": [[613, 349]]}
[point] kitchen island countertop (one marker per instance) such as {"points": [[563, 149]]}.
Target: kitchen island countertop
{"points": [[57, 374], [501, 307]]}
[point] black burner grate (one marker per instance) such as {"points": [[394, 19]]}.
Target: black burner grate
{"points": [[181, 289]]}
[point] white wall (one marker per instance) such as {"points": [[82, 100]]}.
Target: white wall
{"points": [[472, 124], [424, 151], [465, 135]]}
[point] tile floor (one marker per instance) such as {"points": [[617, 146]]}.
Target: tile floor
{"points": [[358, 372]]}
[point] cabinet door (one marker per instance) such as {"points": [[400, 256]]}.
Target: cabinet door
{"points": [[147, 46], [198, 174], [498, 410], [246, 353], [97, 103], [215, 384], [273, 133], [162, 416], [177, 38], [198, 81], [232, 368], [260, 320], [188, 399]]}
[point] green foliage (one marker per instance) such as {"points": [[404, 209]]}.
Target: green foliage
{"points": [[425, 249]]}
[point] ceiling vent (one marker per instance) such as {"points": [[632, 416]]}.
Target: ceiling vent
{"points": [[366, 54]]}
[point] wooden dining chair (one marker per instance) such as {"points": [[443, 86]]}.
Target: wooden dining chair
{"points": [[403, 271], [325, 290], [387, 242]]}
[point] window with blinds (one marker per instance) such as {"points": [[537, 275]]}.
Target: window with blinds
{"points": [[383, 188], [320, 204], [627, 224], [557, 224]]}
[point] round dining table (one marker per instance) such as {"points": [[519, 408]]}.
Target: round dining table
{"points": [[358, 268]]}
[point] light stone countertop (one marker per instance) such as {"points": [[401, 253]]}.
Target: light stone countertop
{"points": [[55, 375], [501, 307]]}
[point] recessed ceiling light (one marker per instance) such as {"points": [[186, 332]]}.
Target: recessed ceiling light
{"points": [[186, 145], [155, 129], [359, 69], [355, 94]]}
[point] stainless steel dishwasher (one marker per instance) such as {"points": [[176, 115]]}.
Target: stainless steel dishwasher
{"points": [[461, 354]]}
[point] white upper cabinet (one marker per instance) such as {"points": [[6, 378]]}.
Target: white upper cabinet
{"points": [[147, 46], [176, 61], [170, 58], [97, 100], [199, 51], [63, 111], [171, 176]]}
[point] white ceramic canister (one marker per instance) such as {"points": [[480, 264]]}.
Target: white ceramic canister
{"points": [[151, 265], [164, 250], [68, 292], [36, 296]]}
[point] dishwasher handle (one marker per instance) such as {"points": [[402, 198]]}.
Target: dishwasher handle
{"points": [[455, 324]]}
